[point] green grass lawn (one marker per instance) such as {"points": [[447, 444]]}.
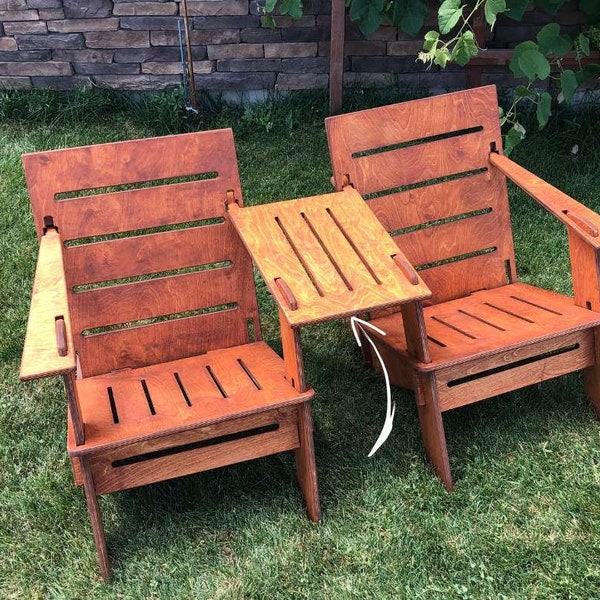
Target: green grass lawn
{"points": [[523, 521]]}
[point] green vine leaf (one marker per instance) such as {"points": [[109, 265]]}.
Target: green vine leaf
{"points": [[514, 136], [369, 14], [492, 9], [568, 85], [528, 61], [449, 14], [430, 41], [551, 42], [544, 109], [465, 48], [410, 15], [441, 57], [292, 8], [582, 44], [516, 8]]}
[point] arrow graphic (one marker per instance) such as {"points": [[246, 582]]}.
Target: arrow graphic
{"points": [[357, 324]]}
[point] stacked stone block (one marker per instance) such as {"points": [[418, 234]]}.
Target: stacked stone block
{"points": [[135, 45]]}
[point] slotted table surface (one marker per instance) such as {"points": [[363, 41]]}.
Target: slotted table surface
{"points": [[327, 256]]}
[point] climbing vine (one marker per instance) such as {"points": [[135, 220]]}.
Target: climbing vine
{"points": [[454, 41]]}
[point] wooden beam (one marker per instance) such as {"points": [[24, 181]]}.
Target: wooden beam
{"points": [[336, 56]]}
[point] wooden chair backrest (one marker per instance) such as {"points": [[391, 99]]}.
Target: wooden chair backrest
{"points": [[423, 168], [154, 268]]}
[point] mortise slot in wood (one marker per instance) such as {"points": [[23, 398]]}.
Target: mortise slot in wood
{"points": [[418, 141], [354, 247], [581, 222], [425, 183], [453, 259], [480, 319], [152, 320], [146, 231], [249, 373], [406, 268], [78, 289], [508, 271], [61, 336], [48, 224], [524, 301], [443, 221], [216, 381], [514, 365], [182, 389], [113, 405], [136, 185], [327, 252], [231, 437], [508, 312], [454, 327], [287, 293], [299, 256], [148, 397]]}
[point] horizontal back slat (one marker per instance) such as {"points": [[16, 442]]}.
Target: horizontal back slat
{"points": [[124, 163], [132, 210], [441, 201], [161, 342], [451, 281], [154, 298], [415, 164], [137, 258], [405, 122], [164, 251], [424, 165], [449, 240]]}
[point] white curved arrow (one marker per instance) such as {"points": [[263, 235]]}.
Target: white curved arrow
{"points": [[357, 324]]}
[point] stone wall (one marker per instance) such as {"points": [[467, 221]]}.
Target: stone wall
{"points": [[135, 45]]}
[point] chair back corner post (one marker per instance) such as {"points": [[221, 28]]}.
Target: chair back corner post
{"points": [[292, 354], [585, 272]]}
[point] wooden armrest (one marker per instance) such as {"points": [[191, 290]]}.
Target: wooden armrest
{"points": [[577, 217], [48, 348]]}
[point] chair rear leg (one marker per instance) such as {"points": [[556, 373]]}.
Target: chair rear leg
{"points": [[306, 467], [591, 381], [432, 427], [95, 518], [591, 378]]}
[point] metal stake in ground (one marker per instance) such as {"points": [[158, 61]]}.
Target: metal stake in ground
{"points": [[190, 59]]}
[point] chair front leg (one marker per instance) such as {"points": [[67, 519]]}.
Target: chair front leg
{"points": [[306, 467], [95, 518], [432, 426]]}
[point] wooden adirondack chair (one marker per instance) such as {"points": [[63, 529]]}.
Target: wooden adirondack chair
{"points": [[144, 302], [433, 172]]}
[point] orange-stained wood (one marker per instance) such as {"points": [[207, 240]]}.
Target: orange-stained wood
{"points": [[433, 173], [144, 300], [42, 356], [582, 220], [332, 253]]}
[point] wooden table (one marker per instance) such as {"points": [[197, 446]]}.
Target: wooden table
{"points": [[326, 257]]}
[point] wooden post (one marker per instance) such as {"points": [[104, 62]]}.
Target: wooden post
{"points": [[336, 56]]}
